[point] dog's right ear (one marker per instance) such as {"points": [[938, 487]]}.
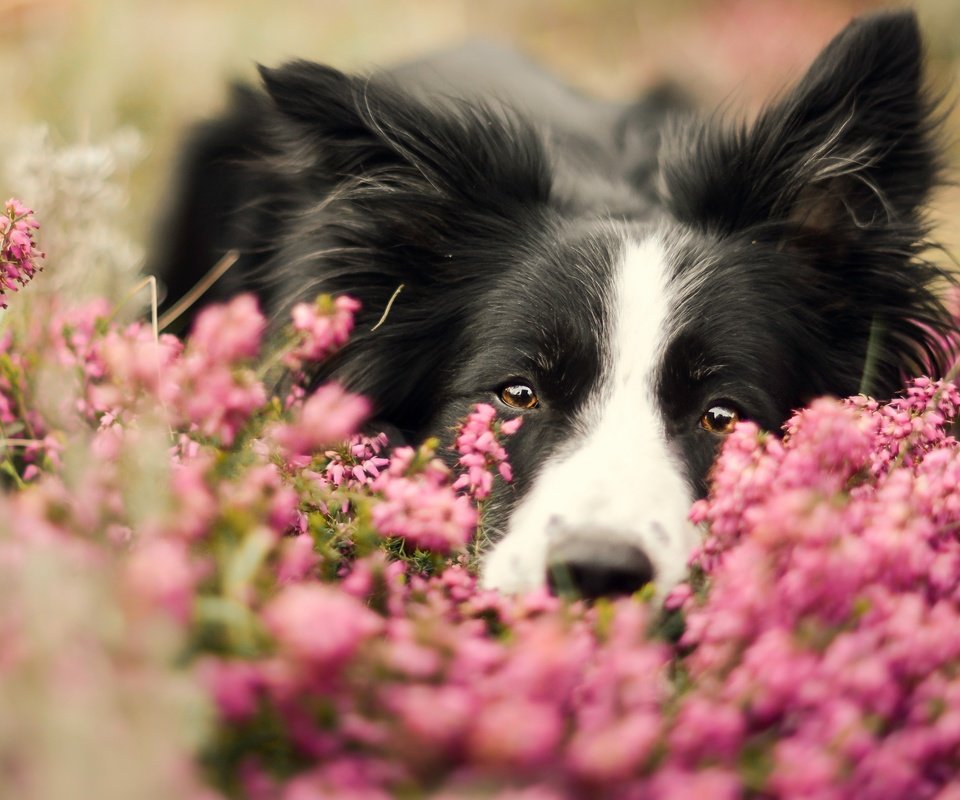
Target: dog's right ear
{"points": [[398, 190], [347, 126], [309, 92], [330, 123]]}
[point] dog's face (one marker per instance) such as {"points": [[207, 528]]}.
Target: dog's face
{"points": [[781, 264], [602, 372], [671, 349]]}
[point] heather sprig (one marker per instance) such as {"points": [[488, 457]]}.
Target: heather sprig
{"points": [[19, 256], [481, 452], [319, 328]]}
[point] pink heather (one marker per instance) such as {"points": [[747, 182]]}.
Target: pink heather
{"points": [[422, 507], [515, 733], [326, 417], [229, 333], [828, 604], [478, 443], [161, 569], [234, 685], [357, 465], [19, 257], [819, 654], [320, 625], [320, 328]]}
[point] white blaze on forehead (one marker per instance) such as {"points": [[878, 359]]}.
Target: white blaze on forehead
{"points": [[642, 313], [618, 482]]}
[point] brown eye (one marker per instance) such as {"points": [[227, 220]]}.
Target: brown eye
{"points": [[519, 395], [719, 419]]}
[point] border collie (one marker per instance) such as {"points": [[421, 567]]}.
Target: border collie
{"points": [[630, 279]]}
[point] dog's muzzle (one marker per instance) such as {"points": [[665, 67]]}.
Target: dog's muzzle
{"points": [[596, 565]]}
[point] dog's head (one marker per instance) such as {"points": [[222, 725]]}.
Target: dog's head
{"points": [[784, 262]]}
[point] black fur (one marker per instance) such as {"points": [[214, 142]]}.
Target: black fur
{"points": [[796, 242]]}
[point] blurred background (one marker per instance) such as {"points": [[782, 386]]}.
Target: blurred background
{"points": [[98, 92]]}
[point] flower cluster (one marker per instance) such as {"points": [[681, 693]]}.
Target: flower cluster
{"points": [[357, 464], [326, 417], [19, 256], [827, 634], [320, 328], [420, 505], [255, 600], [481, 451]]}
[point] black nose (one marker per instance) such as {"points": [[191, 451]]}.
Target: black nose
{"points": [[588, 568]]}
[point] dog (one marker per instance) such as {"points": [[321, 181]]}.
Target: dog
{"points": [[630, 279]]}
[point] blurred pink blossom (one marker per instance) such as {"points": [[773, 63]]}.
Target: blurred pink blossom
{"points": [[229, 333], [320, 328], [319, 624], [327, 416]]}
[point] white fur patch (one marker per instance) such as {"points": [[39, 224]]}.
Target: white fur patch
{"points": [[619, 482]]}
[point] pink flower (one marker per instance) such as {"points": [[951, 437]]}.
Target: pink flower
{"points": [[438, 716], [19, 258], [328, 416], [678, 597], [422, 507], [226, 334], [321, 328], [234, 684], [319, 624], [346, 778], [131, 369], [357, 464], [480, 450], [515, 733], [716, 783], [216, 399], [162, 571], [707, 731], [804, 769], [297, 558], [612, 753], [194, 503]]}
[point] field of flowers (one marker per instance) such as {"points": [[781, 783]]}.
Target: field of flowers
{"points": [[210, 587], [213, 585]]}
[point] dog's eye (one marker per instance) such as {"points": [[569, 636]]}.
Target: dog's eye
{"points": [[519, 395], [719, 419]]}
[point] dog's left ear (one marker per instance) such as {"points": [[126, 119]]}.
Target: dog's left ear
{"points": [[850, 148], [836, 174]]}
